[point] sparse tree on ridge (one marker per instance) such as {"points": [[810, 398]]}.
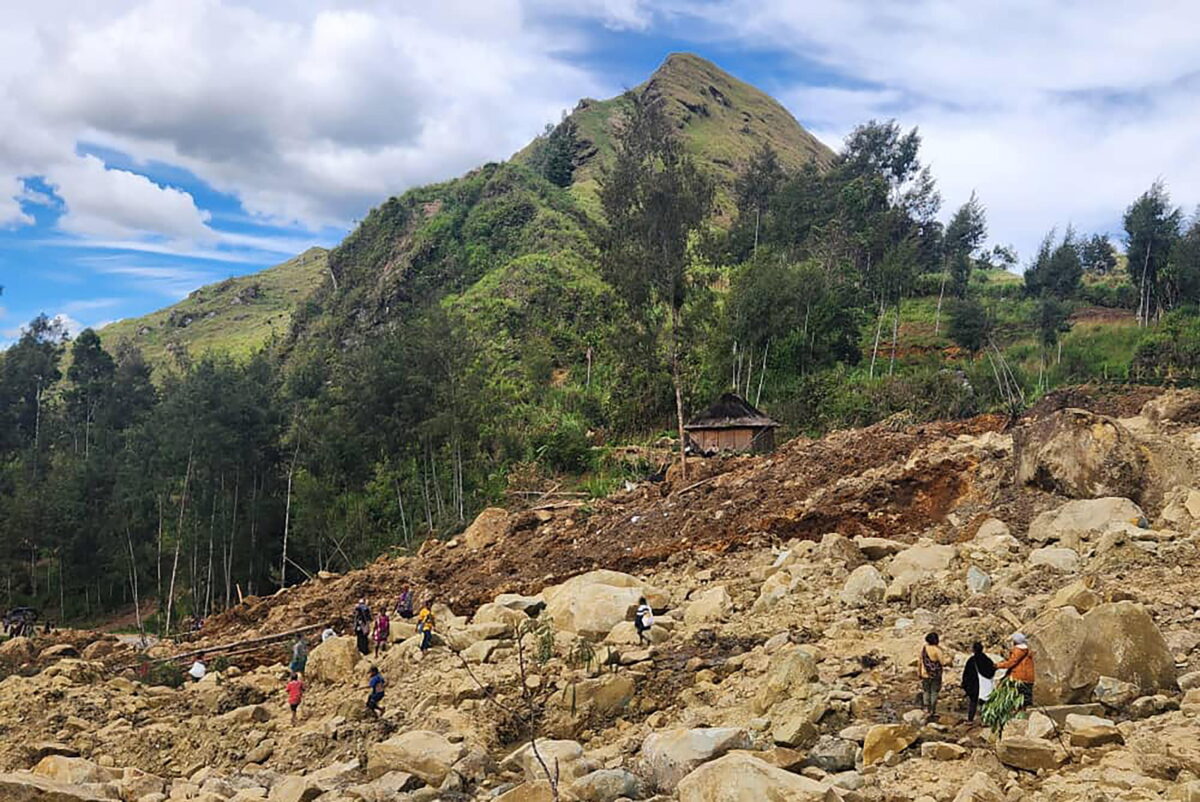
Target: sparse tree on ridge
{"points": [[654, 198], [1151, 230]]}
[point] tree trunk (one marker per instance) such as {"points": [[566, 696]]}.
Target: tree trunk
{"points": [[937, 316], [875, 347], [287, 515], [895, 338], [178, 544], [677, 381]]}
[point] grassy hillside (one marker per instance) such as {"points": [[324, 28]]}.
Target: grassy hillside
{"points": [[235, 316], [721, 119]]}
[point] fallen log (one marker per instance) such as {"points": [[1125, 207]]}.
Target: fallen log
{"points": [[240, 646]]}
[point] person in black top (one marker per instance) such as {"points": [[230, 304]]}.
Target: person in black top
{"points": [[979, 665], [362, 626]]}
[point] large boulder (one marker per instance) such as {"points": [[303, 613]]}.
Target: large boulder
{"points": [[1072, 652], [1181, 511], [1064, 560], [980, 788], [669, 755], [1030, 754], [71, 770], [1079, 454], [487, 528], [713, 604], [742, 777], [333, 661], [422, 753], [883, 739], [789, 674], [1085, 520], [865, 586], [915, 564], [17, 651], [25, 787], [592, 604], [832, 754], [565, 757], [607, 785]]}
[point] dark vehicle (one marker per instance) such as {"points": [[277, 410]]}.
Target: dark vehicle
{"points": [[20, 621]]}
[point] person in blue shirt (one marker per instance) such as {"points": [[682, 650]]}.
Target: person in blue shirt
{"points": [[376, 683]]}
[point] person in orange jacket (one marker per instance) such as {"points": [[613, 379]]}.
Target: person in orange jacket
{"points": [[1019, 666]]}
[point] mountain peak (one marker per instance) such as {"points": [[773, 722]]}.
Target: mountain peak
{"points": [[722, 120]]}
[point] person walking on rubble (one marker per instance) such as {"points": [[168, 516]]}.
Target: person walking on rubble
{"points": [[425, 624], [295, 694], [383, 632], [1019, 667], [376, 683], [404, 604], [977, 678], [299, 656], [643, 619], [362, 626], [929, 669]]}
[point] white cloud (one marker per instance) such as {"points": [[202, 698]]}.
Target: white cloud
{"points": [[70, 325], [105, 202], [168, 281], [1055, 112], [11, 213], [309, 113]]}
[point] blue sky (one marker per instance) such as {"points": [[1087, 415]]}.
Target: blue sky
{"points": [[148, 147]]}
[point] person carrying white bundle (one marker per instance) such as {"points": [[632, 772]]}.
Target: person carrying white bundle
{"points": [[978, 679]]}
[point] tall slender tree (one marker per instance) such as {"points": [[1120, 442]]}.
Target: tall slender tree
{"points": [[654, 199], [1151, 230]]}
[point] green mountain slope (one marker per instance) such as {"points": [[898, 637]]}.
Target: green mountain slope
{"points": [[722, 120], [235, 316]]}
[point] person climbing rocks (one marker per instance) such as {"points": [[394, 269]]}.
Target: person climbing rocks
{"points": [[376, 683], [362, 626], [977, 678], [383, 632], [404, 604], [299, 655], [198, 670], [295, 694], [643, 619], [929, 669], [425, 624], [1019, 667]]}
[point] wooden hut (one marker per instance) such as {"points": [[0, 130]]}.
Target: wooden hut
{"points": [[731, 424]]}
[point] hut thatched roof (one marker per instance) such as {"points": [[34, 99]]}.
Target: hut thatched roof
{"points": [[730, 411]]}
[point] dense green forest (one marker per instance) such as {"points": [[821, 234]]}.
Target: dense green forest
{"points": [[502, 331]]}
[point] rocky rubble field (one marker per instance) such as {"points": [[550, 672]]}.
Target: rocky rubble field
{"points": [[791, 592]]}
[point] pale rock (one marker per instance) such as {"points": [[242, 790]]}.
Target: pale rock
{"points": [[1189, 681], [1077, 594], [978, 580], [17, 651], [1060, 559], [1030, 754], [487, 529], [1153, 705], [566, 755], [605, 695], [922, 560], [1097, 735], [333, 661], [743, 778], [592, 604], [878, 548], [497, 614], [26, 787], [1039, 725], [529, 605], [423, 753], [980, 788], [864, 587], [295, 789], [942, 750], [607, 785], [712, 604], [839, 549], [774, 590], [789, 673], [1077, 721], [537, 791], [993, 537], [669, 755], [887, 738], [832, 754], [794, 720], [1114, 693], [71, 770], [1077, 523], [1120, 640], [1080, 455], [1182, 510]]}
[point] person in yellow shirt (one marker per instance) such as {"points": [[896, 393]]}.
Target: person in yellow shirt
{"points": [[929, 669], [425, 624]]}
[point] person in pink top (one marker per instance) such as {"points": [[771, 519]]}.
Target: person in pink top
{"points": [[383, 631], [295, 692]]}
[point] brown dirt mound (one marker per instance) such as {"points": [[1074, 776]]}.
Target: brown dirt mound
{"points": [[1116, 401], [751, 500]]}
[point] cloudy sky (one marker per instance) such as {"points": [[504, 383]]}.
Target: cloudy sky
{"points": [[151, 146]]}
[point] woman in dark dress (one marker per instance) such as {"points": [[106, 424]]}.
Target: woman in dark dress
{"points": [[978, 665]]}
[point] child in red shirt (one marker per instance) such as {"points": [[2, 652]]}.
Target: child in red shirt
{"points": [[295, 692]]}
